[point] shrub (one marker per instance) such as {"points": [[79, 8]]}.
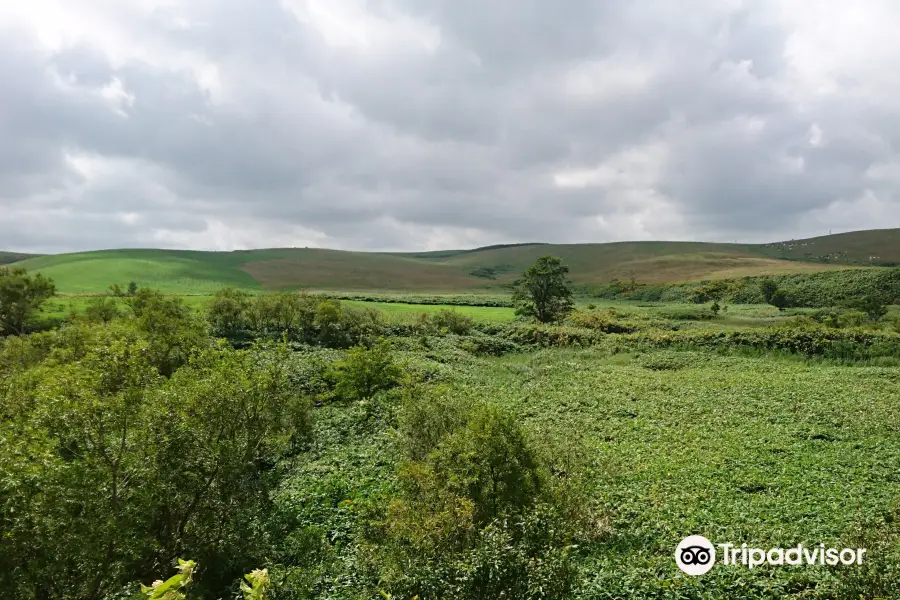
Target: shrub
{"points": [[139, 468], [365, 371], [452, 321], [871, 304], [480, 513], [21, 296], [101, 309], [767, 288], [852, 319], [780, 299], [227, 315]]}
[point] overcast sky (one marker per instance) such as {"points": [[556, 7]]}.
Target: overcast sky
{"points": [[430, 124]]}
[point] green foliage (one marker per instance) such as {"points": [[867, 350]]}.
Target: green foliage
{"points": [[872, 304], [780, 299], [479, 511], [21, 296], [101, 309], [767, 288], [172, 329], [814, 290], [132, 288], [108, 468], [853, 318], [483, 300], [452, 321], [172, 588], [255, 585], [879, 576], [365, 371], [489, 463], [306, 318], [228, 313], [543, 292], [714, 290]]}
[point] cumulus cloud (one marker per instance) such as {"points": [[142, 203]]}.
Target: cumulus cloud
{"points": [[408, 124]]}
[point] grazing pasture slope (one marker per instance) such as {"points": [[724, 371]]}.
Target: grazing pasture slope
{"points": [[482, 270]]}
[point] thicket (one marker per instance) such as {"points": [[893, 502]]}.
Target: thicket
{"points": [[457, 300], [812, 290], [297, 317], [483, 510], [128, 444]]}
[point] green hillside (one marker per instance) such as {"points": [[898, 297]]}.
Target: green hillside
{"points": [[11, 257], [174, 271], [879, 247], [482, 270]]}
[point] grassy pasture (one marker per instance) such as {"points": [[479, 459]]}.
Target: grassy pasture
{"points": [[480, 313], [878, 246], [168, 271], [11, 257], [483, 271]]}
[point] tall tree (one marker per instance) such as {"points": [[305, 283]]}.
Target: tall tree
{"points": [[543, 291], [21, 295]]}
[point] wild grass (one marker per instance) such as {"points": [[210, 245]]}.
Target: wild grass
{"points": [[752, 450]]}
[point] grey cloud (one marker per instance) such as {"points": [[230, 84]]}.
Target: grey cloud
{"points": [[458, 142]]}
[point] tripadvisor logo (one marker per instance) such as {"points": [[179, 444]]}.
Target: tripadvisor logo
{"points": [[696, 555]]}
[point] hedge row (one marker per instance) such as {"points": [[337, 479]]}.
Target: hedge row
{"points": [[813, 290]]}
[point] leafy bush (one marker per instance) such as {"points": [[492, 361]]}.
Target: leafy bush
{"points": [[253, 587], [108, 469], [101, 309], [852, 319], [227, 315], [813, 290], [452, 321], [21, 296], [305, 318], [781, 299], [365, 371], [480, 512]]}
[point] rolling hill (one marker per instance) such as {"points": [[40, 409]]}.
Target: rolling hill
{"points": [[488, 269], [11, 257]]}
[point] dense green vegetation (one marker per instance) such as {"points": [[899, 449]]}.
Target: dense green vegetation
{"points": [[293, 445], [543, 292], [817, 290], [21, 296]]}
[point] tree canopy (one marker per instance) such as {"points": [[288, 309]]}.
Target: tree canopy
{"points": [[21, 295], [543, 291]]}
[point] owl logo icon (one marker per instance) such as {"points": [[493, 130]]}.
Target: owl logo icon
{"points": [[695, 555]]}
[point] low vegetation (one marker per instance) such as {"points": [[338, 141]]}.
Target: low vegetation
{"points": [[291, 445]]}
